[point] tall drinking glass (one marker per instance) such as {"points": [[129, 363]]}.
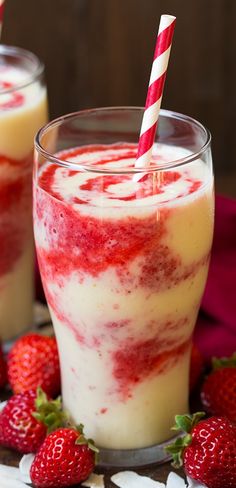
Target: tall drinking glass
{"points": [[23, 110], [123, 255]]}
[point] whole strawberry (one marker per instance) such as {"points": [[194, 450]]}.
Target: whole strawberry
{"points": [[208, 451], [218, 393], [22, 424], [33, 361], [65, 458], [196, 367], [3, 369], [18, 428]]}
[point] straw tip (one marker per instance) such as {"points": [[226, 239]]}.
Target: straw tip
{"points": [[168, 17], [166, 21]]}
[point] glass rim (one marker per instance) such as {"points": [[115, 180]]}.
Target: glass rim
{"points": [[51, 158], [21, 53]]}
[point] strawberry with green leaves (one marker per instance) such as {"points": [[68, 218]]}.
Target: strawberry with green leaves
{"points": [[65, 458], [218, 392], [207, 451], [27, 418]]}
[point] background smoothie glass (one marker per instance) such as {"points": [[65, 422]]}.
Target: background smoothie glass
{"points": [[23, 110], [123, 255]]}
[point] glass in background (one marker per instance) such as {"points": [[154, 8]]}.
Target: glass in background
{"points": [[23, 110]]}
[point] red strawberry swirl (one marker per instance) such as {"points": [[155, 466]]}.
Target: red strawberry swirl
{"points": [[97, 188], [15, 216], [10, 98]]}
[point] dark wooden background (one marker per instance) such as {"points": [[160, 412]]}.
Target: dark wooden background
{"points": [[99, 53]]}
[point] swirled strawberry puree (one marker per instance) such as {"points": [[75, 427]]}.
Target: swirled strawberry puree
{"points": [[124, 265], [22, 112], [15, 195]]}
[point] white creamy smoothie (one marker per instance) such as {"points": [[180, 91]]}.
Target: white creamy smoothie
{"points": [[124, 265], [23, 110]]}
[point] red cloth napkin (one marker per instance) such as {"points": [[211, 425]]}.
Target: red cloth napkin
{"points": [[215, 333]]}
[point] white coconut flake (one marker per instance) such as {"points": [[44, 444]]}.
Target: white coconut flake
{"points": [[10, 472], [175, 481], [13, 475], [2, 405], [6, 482], [94, 481], [194, 484], [130, 479], [24, 466]]}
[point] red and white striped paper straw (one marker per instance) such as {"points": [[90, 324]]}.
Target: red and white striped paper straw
{"points": [[155, 90]]}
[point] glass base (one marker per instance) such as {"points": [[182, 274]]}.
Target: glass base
{"points": [[130, 458]]}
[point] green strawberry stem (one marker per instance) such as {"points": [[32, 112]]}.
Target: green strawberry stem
{"points": [[224, 362], [50, 412], [82, 440], [184, 423], [80, 428]]}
